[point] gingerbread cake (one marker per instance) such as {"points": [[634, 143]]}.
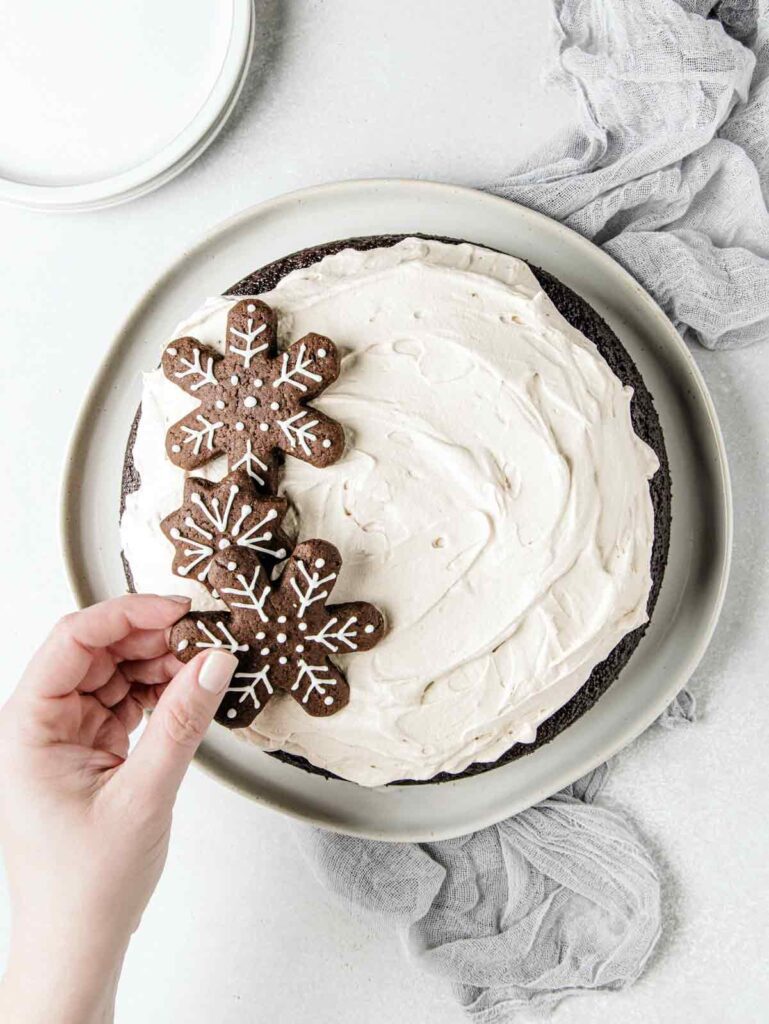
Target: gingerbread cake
{"points": [[451, 440]]}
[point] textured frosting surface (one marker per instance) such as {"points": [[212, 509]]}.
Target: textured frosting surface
{"points": [[493, 502]]}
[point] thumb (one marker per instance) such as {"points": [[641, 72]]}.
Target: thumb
{"points": [[178, 724]]}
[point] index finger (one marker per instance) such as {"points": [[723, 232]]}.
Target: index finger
{"points": [[58, 667]]}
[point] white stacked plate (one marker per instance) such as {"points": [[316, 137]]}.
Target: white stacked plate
{"points": [[109, 105]]}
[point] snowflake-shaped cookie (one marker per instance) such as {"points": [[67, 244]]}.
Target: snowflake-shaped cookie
{"points": [[253, 399], [283, 633], [216, 516]]}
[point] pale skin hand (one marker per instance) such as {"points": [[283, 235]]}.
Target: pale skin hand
{"points": [[84, 827]]}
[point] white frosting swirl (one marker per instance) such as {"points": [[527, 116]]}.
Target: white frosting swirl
{"points": [[493, 501]]}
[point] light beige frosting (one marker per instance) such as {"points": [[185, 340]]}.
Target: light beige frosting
{"points": [[493, 502]]}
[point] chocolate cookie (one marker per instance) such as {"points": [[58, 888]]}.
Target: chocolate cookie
{"points": [[253, 401], [216, 516], [282, 633]]}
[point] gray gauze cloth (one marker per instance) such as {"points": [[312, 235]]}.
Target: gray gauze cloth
{"points": [[665, 171]]}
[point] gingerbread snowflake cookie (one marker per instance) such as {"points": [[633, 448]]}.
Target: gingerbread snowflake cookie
{"points": [[214, 517], [283, 633], [253, 399]]}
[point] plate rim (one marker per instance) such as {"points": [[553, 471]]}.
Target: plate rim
{"points": [[168, 161], [207, 758]]}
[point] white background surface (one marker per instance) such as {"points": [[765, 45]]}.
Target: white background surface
{"points": [[238, 930]]}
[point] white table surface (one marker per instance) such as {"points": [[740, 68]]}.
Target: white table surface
{"points": [[238, 930]]}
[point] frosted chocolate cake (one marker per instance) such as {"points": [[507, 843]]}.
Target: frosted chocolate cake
{"points": [[503, 499]]}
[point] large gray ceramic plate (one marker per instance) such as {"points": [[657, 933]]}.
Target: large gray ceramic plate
{"points": [[695, 580]]}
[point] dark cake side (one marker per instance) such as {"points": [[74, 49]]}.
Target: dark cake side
{"points": [[645, 422]]}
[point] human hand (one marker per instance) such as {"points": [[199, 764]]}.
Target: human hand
{"points": [[84, 826]]}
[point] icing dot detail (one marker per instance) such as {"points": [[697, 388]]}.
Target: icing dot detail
{"points": [[249, 402], [172, 351], [274, 406], [319, 563], [303, 626], [368, 629], [282, 661], [281, 619], [321, 353], [260, 635], [239, 426], [299, 648], [251, 308], [234, 379], [176, 448], [327, 443], [264, 427], [258, 382], [264, 651], [328, 701], [223, 544], [182, 645], [232, 713], [231, 566], [219, 403]]}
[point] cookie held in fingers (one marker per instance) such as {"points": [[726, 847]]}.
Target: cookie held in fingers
{"points": [[215, 517], [283, 633], [253, 400]]}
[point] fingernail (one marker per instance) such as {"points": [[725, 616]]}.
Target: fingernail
{"points": [[179, 598], [217, 671]]}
